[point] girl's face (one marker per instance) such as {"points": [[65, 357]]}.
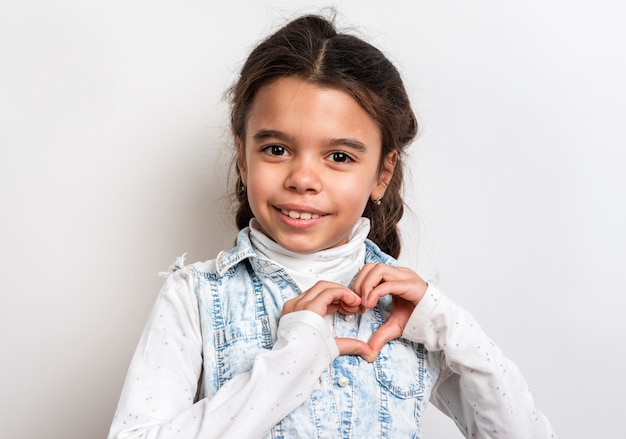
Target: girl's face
{"points": [[310, 162]]}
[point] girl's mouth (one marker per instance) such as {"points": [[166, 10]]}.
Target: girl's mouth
{"points": [[299, 215]]}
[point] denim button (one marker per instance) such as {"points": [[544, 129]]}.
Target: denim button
{"points": [[342, 381], [349, 318]]}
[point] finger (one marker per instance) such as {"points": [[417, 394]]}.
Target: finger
{"points": [[342, 308], [299, 303], [406, 289], [330, 290], [349, 298], [361, 277], [382, 335], [342, 297], [371, 276], [353, 346], [320, 302], [384, 279], [330, 298]]}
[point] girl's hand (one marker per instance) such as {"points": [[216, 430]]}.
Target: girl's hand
{"points": [[328, 297], [407, 289], [324, 298]]}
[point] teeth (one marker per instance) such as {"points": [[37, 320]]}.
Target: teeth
{"points": [[300, 215]]}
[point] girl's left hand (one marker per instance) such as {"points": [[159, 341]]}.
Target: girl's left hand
{"points": [[407, 289]]}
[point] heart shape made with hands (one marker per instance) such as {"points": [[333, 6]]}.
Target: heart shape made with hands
{"points": [[372, 282]]}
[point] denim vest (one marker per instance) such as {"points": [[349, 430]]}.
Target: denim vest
{"points": [[240, 299]]}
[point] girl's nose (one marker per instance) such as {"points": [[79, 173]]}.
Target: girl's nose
{"points": [[303, 177]]}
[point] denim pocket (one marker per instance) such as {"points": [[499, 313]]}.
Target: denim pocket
{"points": [[237, 345], [401, 368]]}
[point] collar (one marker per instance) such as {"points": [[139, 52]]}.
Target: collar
{"points": [[338, 264], [243, 249]]}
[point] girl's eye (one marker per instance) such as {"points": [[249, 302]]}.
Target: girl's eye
{"points": [[276, 150], [340, 157]]}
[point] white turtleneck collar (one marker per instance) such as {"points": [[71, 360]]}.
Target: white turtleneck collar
{"points": [[339, 264]]}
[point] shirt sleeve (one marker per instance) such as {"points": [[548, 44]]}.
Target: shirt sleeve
{"points": [[157, 400], [482, 390]]}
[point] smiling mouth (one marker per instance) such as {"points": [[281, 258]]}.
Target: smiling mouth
{"points": [[300, 215]]}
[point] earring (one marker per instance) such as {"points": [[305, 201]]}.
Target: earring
{"points": [[377, 201]]}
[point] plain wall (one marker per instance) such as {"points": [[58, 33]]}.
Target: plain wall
{"points": [[114, 152]]}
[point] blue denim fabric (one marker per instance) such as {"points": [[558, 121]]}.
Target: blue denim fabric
{"points": [[240, 299]]}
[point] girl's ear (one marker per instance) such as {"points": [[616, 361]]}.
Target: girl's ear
{"points": [[384, 177], [241, 161]]}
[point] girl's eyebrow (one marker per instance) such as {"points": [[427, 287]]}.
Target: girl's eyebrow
{"points": [[270, 134], [353, 144]]}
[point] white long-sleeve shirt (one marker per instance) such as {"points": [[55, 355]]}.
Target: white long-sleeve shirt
{"points": [[477, 386]]}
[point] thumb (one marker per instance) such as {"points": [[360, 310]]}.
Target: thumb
{"points": [[382, 335], [353, 346]]}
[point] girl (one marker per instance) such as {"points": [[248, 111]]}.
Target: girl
{"points": [[308, 327]]}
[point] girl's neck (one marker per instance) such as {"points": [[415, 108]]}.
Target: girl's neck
{"points": [[339, 264]]}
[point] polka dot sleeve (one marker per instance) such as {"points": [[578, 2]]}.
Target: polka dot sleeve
{"points": [[478, 387], [157, 400], [249, 405]]}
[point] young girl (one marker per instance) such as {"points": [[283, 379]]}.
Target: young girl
{"points": [[308, 327]]}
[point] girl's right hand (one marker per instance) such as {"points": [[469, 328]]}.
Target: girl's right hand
{"points": [[329, 297], [324, 298]]}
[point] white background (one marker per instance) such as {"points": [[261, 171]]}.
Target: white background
{"points": [[114, 150]]}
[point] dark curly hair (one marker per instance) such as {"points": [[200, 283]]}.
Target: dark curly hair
{"points": [[310, 48]]}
